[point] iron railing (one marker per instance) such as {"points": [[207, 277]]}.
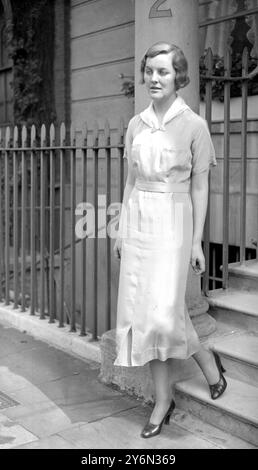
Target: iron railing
{"points": [[227, 80], [38, 200]]}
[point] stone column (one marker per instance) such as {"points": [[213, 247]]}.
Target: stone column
{"points": [[175, 21]]}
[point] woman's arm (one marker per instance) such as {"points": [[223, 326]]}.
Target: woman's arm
{"points": [[199, 194], [130, 181]]}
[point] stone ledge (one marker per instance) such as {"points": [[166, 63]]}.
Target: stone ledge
{"points": [[61, 338]]}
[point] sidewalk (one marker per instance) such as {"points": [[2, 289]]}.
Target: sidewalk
{"points": [[52, 400]]}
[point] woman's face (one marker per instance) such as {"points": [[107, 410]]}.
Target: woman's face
{"points": [[159, 77]]}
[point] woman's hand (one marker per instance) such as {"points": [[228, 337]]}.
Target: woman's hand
{"points": [[118, 248], [197, 259]]}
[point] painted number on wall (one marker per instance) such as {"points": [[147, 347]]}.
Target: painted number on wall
{"points": [[156, 13]]}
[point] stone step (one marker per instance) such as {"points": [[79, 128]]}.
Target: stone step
{"points": [[239, 356], [244, 276], [235, 412], [235, 307], [207, 431]]}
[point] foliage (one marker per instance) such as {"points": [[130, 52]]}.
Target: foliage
{"points": [[128, 88], [218, 70], [31, 49]]}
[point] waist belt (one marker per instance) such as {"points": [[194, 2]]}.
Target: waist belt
{"points": [[162, 187]]}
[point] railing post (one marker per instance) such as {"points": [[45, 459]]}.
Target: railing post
{"points": [[51, 227], [108, 200], [1, 218], [208, 116], [33, 169], [62, 221], [227, 87], [84, 240], [244, 89], [24, 219], [72, 214], [95, 240], [15, 217], [7, 216], [42, 222]]}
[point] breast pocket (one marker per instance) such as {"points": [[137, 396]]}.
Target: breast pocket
{"points": [[171, 159]]}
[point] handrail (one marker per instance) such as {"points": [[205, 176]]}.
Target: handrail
{"points": [[229, 78]]}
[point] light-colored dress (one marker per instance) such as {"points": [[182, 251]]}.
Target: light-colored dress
{"points": [[156, 230]]}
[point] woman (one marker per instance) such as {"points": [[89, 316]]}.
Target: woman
{"points": [[169, 152]]}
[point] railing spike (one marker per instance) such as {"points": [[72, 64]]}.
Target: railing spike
{"points": [[43, 135], [15, 137], [209, 60], [8, 136], [107, 129], [62, 133], [72, 134], [245, 60], [85, 132], [121, 128], [33, 135], [95, 131], [52, 134], [24, 136], [227, 61]]}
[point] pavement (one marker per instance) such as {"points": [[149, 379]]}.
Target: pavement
{"points": [[53, 400]]}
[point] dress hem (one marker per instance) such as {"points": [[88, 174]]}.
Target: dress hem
{"points": [[162, 357]]}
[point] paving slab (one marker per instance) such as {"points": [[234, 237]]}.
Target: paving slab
{"points": [[43, 363], [122, 431], [13, 434], [52, 442], [62, 338], [16, 342]]}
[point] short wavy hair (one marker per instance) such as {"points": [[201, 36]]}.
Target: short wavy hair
{"points": [[179, 62]]}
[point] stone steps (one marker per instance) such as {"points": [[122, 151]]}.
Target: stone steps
{"points": [[234, 307], [213, 434], [239, 355], [244, 276], [236, 340], [235, 412]]}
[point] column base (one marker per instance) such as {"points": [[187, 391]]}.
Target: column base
{"points": [[198, 306]]}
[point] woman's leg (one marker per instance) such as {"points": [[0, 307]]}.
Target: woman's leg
{"points": [[162, 386], [206, 361]]}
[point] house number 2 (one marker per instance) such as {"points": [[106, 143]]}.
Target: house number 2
{"points": [[156, 13]]}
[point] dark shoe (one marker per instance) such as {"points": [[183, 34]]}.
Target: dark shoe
{"points": [[151, 430], [220, 387]]}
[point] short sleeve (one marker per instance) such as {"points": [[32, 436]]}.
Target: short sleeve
{"points": [[129, 138], [203, 152]]}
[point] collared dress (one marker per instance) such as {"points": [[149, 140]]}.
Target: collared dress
{"points": [[156, 230]]}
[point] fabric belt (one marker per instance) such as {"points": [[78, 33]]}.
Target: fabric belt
{"points": [[162, 187]]}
